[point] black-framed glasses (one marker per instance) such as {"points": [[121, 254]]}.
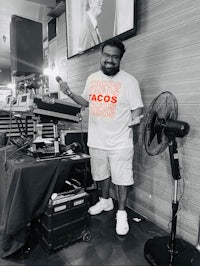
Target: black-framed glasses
{"points": [[109, 56]]}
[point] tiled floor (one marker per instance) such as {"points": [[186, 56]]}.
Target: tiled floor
{"points": [[105, 247]]}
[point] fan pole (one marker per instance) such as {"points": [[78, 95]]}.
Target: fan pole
{"points": [[176, 175]]}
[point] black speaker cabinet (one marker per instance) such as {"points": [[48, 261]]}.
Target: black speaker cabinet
{"points": [[26, 45], [65, 221]]}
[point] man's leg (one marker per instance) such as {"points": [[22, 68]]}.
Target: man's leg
{"points": [[104, 186], [122, 226], [121, 194], [105, 203], [121, 162], [101, 173]]}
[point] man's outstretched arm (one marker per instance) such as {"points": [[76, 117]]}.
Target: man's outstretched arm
{"points": [[75, 97]]}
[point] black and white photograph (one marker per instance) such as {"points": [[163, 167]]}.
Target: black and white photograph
{"points": [[99, 133], [91, 22]]}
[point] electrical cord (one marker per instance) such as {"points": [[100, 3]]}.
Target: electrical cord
{"points": [[10, 131], [140, 221], [82, 139], [27, 143]]}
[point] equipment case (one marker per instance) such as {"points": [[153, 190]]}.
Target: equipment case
{"points": [[64, 221]]}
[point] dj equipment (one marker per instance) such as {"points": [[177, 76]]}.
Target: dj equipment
{"points": [[44, 106], [45, 109], [47, 152], [56, 109], [65, 220], [22, 103], [161, 130], [42, 109]]}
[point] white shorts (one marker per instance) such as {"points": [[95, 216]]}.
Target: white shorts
{"points": [[115, 163]]}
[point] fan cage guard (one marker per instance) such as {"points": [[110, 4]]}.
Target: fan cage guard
{"points": [[163, 107]]}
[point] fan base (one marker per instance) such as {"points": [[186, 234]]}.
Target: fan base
{"points": [[156, 253]]}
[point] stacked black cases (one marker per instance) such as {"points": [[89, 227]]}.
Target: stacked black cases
{"points": [[65, 221]]}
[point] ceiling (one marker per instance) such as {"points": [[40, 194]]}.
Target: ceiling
{"points": [[31, 9]]}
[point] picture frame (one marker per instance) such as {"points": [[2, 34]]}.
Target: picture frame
{"points": [[117, 19]]}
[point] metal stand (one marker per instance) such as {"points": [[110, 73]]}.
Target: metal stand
{"points": [[175, 204], [171, 251], [22, 126], [55, 132]]}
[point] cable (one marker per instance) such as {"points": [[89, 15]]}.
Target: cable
{"points": [[10, 131], [147, 231], [82, 139], [180, 198], [20, 148]]}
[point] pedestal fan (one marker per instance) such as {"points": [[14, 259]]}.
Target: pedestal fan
{"points": [[161, 130]]}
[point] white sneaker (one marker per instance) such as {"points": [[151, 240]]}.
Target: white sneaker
{"points": [[122, 226], [101, 205]]}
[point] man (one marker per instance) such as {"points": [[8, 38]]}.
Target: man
{"points": [[115, 105], [89, 33]]}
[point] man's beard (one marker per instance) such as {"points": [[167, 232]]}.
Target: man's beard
{"points": [[110, 72]]}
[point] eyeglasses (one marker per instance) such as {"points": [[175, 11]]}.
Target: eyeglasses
{"points": [[108, 56]]}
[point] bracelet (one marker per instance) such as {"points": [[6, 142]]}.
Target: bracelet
{"points": [[70, 95]]}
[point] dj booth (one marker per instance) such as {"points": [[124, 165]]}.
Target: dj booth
{"points": [[35, 168], [26, 187]]}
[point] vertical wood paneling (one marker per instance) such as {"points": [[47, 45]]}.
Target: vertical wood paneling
{"points": [[164, 55]]}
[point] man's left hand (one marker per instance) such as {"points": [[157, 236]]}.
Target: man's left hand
{"points": [[136, 121]]}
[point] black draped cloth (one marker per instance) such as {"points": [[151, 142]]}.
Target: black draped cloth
{"points": [[25, 188]]}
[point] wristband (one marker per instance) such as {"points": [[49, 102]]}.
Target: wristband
{"points": [[70, 95]]}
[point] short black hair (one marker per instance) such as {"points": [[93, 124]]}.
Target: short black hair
{"points": [[114, 43]]}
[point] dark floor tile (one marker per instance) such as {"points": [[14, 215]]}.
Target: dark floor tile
{"points": [[82, 253], [105, 247]]}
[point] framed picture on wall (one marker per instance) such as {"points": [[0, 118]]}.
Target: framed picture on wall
{"points": [[91, 22]]}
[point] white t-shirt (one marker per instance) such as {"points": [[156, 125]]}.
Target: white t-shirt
{"points": [[111, 100]]}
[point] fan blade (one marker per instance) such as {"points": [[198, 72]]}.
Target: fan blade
{"points": [[159, 129], [162, 108], [151, 137], [159, 136], [152, 128]]}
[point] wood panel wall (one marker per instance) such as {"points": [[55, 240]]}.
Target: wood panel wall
{"points": [[163, 56]]}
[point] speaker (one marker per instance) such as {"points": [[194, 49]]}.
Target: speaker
{"points": [[77, 136], [26, 45]]}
